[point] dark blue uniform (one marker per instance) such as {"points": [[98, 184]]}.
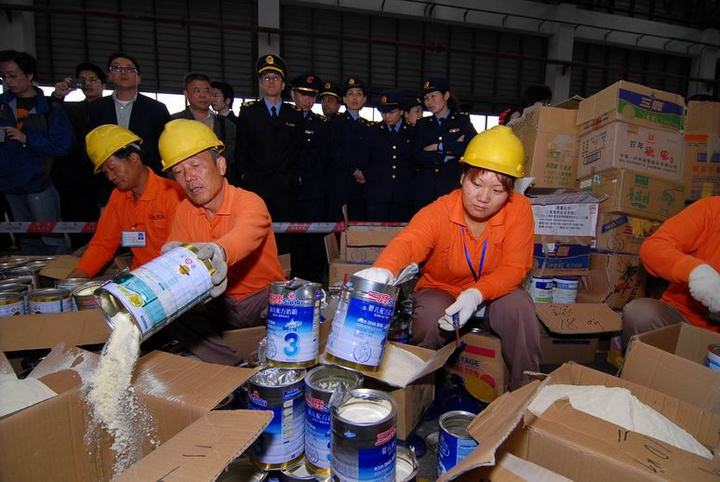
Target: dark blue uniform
{"points": [[438, 172], [348, 152], [313, 163], [389, 173]]}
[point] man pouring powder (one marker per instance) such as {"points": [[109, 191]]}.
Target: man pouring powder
{"points": [[229, 226]]}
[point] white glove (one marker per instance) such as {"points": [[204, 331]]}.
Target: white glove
{"points": [[704, 284], [169, 245], [378, 275], [464, 307], [216, 255]]}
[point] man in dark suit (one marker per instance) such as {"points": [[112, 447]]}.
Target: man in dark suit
{"points": [[223, 96], [127, 107], [270, 138]]}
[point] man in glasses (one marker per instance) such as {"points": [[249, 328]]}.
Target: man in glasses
{"points": [[130, 109], [270, 138]]}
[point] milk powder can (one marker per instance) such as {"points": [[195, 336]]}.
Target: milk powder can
{"points": [[454, 441], [293, 323], [158, 292], [49, 300], [21, 289], [320, 383], [84, 295], [364, 426], [541, 289], [360, 326], [565, 290], [406, 467], [281, 391], [298, 473], [12, 304], [712, 360], [70, 284]]}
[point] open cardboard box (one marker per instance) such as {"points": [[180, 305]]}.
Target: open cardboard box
{"points": [[480, 364], [46, 441], [671, 360], [570, 332], [582, 447]]}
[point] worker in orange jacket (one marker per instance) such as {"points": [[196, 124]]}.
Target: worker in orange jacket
{"points": [[685, 250], [476, 244], [231, 227], [140, 209]]}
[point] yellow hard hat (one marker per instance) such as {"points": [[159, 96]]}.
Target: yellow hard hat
{"points": [[497, 149], [182, 138], [105, 140]]}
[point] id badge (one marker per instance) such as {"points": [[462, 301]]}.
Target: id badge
{"points": [[133, 239]]}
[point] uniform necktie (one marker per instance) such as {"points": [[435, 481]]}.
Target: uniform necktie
{"points": [[273, 111]]}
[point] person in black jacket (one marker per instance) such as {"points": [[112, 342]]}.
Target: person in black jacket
{"points": [[270, 138], [127, 107], [440, 141], [389, 170]]}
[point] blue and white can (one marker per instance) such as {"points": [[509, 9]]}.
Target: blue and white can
{"points": [[360, 326], [454, 441], [293, 323], [364, 437], [281, 391], [541, 289], [712, 360], [320, 384], [564, 291]]}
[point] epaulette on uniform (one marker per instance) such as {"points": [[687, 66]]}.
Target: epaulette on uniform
{"points": [[249, 103]]}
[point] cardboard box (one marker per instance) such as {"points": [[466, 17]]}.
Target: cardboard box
{"points": [[570, 332], [561, 258], [635, 194], [568, 214], [196, 443], [627, 146], [671, 360], [703, 116], [614, 279], [702, 164], [582, 447], [75, 328], [339, 269], [633, 103], [480, 364], [621, 233], [549, 136], [363, 243]]}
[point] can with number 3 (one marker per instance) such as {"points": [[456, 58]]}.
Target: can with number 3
{"points": [[293, 324]]}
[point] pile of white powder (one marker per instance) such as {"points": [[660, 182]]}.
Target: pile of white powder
{"points": [[111, 397]]}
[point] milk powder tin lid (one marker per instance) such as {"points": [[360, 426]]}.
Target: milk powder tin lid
{"points": [[7, 298], [88, 288], [25, 280], [326, 378], [277, 377], [302, 289], [362, 284], [406, 466], [49, 294], [14, 288], [70, 282], [296, 473], [364, 406]]}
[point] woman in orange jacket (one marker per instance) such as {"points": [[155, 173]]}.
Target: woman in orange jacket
{"points": [[475, 246]]}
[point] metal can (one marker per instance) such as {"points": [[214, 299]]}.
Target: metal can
{"points": [[12, 304], [49, 300], [541, 289], [70, 284], [279, 390], [406, 467], [364, 427], [360, 326], [454, 441], [320, 384], [293, 323], [241, 470], [84, 295], [18, 288], [296, 473], [23, 273], [712, 360], [158, 292]]}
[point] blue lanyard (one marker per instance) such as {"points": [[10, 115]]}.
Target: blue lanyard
{"points": [[475, 275]]}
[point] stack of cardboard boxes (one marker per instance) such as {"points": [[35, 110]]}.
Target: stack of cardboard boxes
{"points": [[702, 150]]}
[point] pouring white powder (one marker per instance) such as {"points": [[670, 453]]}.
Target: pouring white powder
{"points": [[113, 404]]}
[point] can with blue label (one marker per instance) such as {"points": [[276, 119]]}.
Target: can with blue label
{"points": [[293, 323], [712, 360], [320, 384], [281, 391], [454, 441], [364, 441], [360, 326]]}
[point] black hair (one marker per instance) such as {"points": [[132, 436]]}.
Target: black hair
{"points": [[125, 152], [193, 76], [225, 88], [118, 55], [507, 181], [92, 68], [536, 93], [24, 61]]}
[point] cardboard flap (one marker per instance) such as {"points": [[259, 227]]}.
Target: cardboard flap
{"points": [[693, 342], [5, 366], [370, 234], [186, 381], [65, 368], [60, 267], [30, 332], [388, 371], [492, 427], [579, 319], [510, 468], [202, 450]]}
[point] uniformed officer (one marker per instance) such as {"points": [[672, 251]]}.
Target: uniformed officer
{"points": [[348, 154], [308, 256], [270, 138], [412, 109], [389, 169], [330, 98], [440, 141]]}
